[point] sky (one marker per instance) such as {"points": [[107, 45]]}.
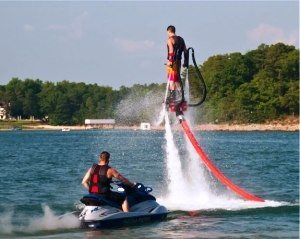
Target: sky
{"points": [[124, 42]]}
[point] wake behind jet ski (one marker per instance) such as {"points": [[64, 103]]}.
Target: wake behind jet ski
{"points": [[100, 212]]}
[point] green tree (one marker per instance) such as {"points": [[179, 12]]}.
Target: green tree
{"points": [[15, 97], [261, 85]]}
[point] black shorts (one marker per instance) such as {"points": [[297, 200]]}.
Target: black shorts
{"points": [[116, 197]]}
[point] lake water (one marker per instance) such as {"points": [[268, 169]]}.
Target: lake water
{"points": [[41, 176]]}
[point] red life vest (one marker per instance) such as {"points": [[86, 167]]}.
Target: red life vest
{"points": [[99, 182]]}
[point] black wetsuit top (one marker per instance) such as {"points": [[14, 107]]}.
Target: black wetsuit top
{"points": [[179, 47]]}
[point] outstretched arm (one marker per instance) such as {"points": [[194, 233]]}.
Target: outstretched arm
{"points": [[114, 173], [86, 179]]}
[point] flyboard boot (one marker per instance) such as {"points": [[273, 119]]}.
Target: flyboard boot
{"points": [[175, 102]]}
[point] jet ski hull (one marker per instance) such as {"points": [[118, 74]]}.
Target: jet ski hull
{"points": [[99, 212], [128, 220]]}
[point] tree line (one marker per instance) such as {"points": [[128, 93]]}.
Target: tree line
{"points": [[260, 85], [64, 103]]}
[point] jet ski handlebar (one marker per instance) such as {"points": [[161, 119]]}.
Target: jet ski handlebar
{"points": [[137, 186]]}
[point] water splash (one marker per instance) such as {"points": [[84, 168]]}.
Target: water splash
{"points": [[137, 107], [188, 189], [193, 187], [159, 120], [176, 184], [6, 226], [48, 221]]}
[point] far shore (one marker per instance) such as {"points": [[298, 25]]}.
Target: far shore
{"points": [[201, 127], [289, 123]]}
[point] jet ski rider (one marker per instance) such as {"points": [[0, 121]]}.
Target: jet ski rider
{"points": [[98, 178]]}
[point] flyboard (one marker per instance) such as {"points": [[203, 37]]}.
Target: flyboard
{"points": [[180, 106]]}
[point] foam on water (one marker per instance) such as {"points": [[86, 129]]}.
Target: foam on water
{"points": [[48, 221], [6, 226]]}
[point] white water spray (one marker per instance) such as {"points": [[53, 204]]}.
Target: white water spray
{"points": [[6, 226], [194, 188], [161, 116], [175, 176], [187, 190], [163, 111], [48, 221], [201, 183]]}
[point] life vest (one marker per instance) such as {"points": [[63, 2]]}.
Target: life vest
{"points": [[178, 49], [99, 182]]}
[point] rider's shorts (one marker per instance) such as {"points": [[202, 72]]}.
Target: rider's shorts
{"points": [[173, 72], [116, 197]]}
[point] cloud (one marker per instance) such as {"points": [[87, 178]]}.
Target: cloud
{"points": [[133, 46], [72, 31], [28, 28], [265, 33]]}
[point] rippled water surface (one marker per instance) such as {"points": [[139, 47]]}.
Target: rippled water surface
{"points": [[41, 176]]}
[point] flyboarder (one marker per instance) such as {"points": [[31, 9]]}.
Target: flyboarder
{"points": [[176, 46]]}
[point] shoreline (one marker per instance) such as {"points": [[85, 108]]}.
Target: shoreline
{"points": [[289, 124], [248, 127], [293, 127]]}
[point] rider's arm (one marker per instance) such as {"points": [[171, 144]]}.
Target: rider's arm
{"points": [[114, 173], [86, 179], [171, 52]]}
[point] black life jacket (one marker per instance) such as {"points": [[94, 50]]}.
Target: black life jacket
{"points": [[179, 46], [99, 182]]}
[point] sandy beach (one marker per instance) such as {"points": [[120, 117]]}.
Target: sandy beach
{"points": [[274, 126], [248, 127], [288, 124]]}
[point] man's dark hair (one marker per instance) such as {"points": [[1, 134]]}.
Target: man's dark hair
{"points": [[171, 29], [105, 155]]}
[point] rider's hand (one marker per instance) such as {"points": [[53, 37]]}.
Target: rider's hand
{"points": [[133, 185], [169, 63]]}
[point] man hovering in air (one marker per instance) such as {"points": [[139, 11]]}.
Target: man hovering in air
{"points": [[176, 46]]}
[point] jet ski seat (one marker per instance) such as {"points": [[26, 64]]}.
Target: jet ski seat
{"points": [[98, 200]]}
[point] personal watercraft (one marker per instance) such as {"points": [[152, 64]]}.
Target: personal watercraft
{"points": [[99, 212]]}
